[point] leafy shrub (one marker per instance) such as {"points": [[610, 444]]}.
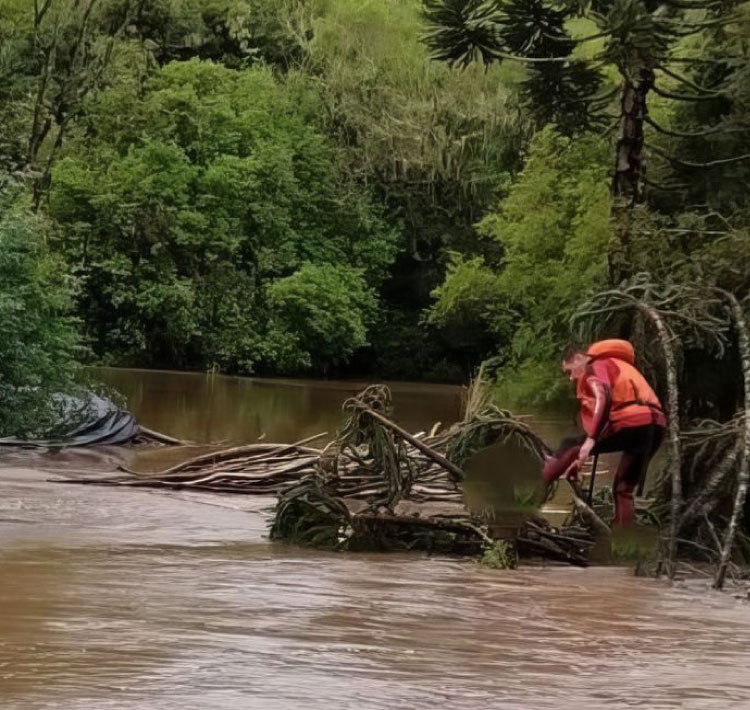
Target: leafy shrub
{"points": [[38, 337]]}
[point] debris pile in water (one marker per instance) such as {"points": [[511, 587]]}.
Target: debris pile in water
{"points": [[418, 502], [376, 486]]}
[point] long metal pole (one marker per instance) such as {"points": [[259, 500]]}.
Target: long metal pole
{"points": [[593, 476]]}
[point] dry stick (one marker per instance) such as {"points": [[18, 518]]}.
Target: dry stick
{"points": [[714, 535], [240, 465], [204, 458], [673, 427], [235, 451], [272, 475], [486, 538], [742, 478], [461, 525], [547, 547], [695, 569], [426, 450], [263, 469], [247, 485], [237, 476], [260, 463], [703, 548], [163, 438]]}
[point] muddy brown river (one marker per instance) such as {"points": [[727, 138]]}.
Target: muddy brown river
{"points": [[149, 600]]}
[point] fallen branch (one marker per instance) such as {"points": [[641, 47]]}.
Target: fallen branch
{"points": [[161, 438]]}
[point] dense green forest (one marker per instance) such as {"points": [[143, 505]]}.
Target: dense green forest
{"points": [[333, 187]]}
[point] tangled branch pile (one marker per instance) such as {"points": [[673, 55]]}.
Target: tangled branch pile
{"points": [[419, 504], [375, 486]]}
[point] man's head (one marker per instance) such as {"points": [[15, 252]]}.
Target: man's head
{"points": [[574, 362]]}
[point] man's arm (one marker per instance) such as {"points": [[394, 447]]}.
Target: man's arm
{"points": [[602, 403]]}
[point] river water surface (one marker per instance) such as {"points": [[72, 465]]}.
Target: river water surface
{"points": [[146, 600]]}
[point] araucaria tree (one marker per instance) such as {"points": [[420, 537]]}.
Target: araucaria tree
{"points": [[666, 83], [585, 59]]}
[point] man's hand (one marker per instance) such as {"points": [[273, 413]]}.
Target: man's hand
{"points": [[585, 451], [571, 473]]}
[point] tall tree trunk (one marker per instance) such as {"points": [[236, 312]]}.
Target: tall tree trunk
{"points": [[41, 120], [740, 496], [74, 77], [673, 431], [626, 182]]}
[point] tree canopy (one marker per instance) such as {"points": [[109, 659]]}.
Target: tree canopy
{"points": [[181, 211], [399, 187]]}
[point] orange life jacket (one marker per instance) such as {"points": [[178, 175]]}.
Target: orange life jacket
{"points": [[620, 349], [633, 399]]}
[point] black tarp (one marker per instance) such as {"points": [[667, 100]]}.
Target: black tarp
{"points": [[86, 421]]}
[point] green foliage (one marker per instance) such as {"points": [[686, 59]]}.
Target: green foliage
{"points": [[233, 32], [554, 230], [636, 43], [499, 555], [38, 338], [470, 309], [462, 31], [468, 295], [57, 53], [322, 313], [536, 383], [13, 49], [183, 208], [708, 137], [435, 146], [435, 143], [274, 185], [557, 88], [407, 349]]}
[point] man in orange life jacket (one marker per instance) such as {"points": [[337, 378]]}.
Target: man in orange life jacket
{"points": [[619, 412]]}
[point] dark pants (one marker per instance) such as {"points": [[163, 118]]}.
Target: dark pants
{"points": [[638, 446]]}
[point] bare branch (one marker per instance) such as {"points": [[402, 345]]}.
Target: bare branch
{"points": [[706, 60], [589, 38], [596, 98], [683, 97], [664, 188], [693, 134], [695, 5], [532, 60], [698, 26], [691, 164], [39, 13], [688, 82]]}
